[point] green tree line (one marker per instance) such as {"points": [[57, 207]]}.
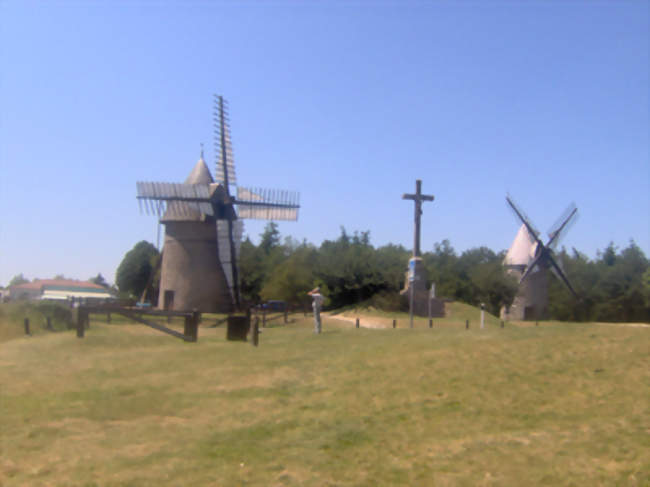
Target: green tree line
{"points": [[615, 286]]}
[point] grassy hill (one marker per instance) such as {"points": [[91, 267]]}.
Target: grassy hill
{"points": [[558, 404], [456, 314]]}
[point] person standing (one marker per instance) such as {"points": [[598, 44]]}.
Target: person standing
{"points": [[317, 303]]}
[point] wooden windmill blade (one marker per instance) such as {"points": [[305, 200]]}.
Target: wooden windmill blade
{"points": [[265, 204], [557, 270], [257, 204], [534, 233], [174, 199], [562, 225], [225, 175], [225, 165]]}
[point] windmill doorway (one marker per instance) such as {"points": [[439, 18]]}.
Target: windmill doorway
{"points": [[168, 300]]}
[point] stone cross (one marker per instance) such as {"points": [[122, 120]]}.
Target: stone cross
{"points": [[418, 197]]}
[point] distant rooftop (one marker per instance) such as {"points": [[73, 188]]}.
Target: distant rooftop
{"points": [[59, 283]]}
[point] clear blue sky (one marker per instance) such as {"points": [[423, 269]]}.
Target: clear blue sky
{"points": [[347, 102]]}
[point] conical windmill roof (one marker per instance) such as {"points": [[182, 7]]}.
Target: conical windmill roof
{"points": [[522, 250], [181, 211], [200, 174]]}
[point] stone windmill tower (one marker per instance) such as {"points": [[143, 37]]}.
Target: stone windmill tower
{"points": [[529, 259], [203, 227]]}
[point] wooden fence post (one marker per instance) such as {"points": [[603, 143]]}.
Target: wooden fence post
{"points": [[394, 323], [286, 316], [467, 324], [430, 323], [27, 326], [191, 329], [357, 323], [81, 322], [501, 323], [108, 317], [255, 331]]}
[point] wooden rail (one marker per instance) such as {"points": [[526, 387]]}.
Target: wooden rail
{"points": [[190, 332]]}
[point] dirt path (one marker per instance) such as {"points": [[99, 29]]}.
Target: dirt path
{"points": [[364, 322], [631, 325]]}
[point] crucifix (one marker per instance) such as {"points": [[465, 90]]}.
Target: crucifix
{"points": [[418, 197]]}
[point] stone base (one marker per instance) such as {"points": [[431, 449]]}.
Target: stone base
{"points": [[421, 305], [421, 300], [531, 301]]}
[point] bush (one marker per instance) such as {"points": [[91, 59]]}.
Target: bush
{"points": [[387, 301]]}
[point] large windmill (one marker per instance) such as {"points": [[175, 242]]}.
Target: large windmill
{"points": [[203, 227], [530, 259]]}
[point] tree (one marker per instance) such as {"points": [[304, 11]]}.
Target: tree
{"points": [[19, 279], [292, 280], [495, 287], [270, 238], [99, 280], [133, 272]]}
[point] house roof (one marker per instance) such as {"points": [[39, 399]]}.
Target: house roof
{"points": [[59, 284]]}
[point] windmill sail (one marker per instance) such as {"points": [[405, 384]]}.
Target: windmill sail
{"points": [[174, 199], [225, 165], [225, 257], [264, 204], [560, 228]]}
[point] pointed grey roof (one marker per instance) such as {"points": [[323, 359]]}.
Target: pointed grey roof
{"points": [[200, 174]]}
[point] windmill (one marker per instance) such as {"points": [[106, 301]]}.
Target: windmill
{"points": [[203, 226], [530, 259]]}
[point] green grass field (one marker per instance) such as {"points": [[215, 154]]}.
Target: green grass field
{"points": [[555, 404]]}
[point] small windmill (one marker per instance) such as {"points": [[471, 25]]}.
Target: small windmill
{"points": [[203, 227], [530, 258]]}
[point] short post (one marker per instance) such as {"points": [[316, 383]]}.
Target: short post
{"points": [[411, 285], [191, 328], [357, 323], [27, 326], [48, 323], [263, 317], [108, 317], [286, 316], [467, 324], [255, 331], [394, 323], [430, 323], [501, 323], [81, 322], [482, 316]]}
